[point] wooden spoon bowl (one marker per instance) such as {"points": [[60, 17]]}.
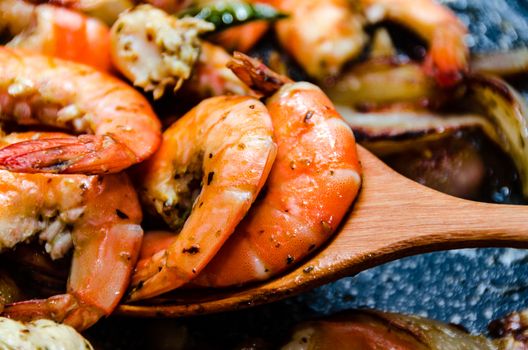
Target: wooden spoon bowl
{"points": [[393, 217]]}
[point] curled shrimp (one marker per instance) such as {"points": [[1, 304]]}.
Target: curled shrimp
{"points": [[447, 59], [57, 32], [36, 89], [226, 143], [322, 35], [155, 50], [98, 215], [312, 183]]}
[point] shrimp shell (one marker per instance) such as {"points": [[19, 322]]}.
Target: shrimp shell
{"points": [[312, 184], [40, 90], [226, 142], [99, 216]]}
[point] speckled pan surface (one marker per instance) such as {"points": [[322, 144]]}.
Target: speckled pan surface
{"points": [[469, 287]]}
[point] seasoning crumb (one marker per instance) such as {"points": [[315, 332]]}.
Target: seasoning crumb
{"points": [[121, 214], [194, 249], [210, 177]]}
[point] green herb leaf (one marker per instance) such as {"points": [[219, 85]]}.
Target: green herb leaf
{"points": [[229, 13]]}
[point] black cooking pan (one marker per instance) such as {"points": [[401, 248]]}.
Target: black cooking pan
{"points": [[469, 287]]}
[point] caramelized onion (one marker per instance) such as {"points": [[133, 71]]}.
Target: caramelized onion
{"points": [[386, 133], [489, 104], [505, 108], [382, 81], [501, 63]]}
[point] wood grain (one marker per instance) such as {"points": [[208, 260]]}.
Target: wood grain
{"points": [[392, 217]]}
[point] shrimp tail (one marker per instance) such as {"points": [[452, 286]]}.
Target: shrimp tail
{"points": [[447, 60], [87, 154], [64, 308], [154, 246], [153, 277], [256, 75]]}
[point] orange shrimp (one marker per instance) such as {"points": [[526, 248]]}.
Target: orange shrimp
{"points": [[57, 32], [322, 35], [98, 215], [36, 89], [448, 54], [104, 10], [226, 142], [313, 182]]}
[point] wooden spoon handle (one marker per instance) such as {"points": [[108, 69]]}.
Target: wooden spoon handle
{"points": [[393, 217], [412, 213], [396, 217]]}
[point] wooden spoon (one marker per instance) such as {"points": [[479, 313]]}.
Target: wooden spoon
{"points": [[393, 217]]}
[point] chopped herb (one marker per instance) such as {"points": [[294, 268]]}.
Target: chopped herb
{"points": [[229, 13], [121, 214]]}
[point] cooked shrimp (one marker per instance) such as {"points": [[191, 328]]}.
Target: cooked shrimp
{"points": [[224, 142], [104, 10], [313, 181], [448, 54], [155, 50], [56, 31], [322, 35], [98, 215], [36, 89]]}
